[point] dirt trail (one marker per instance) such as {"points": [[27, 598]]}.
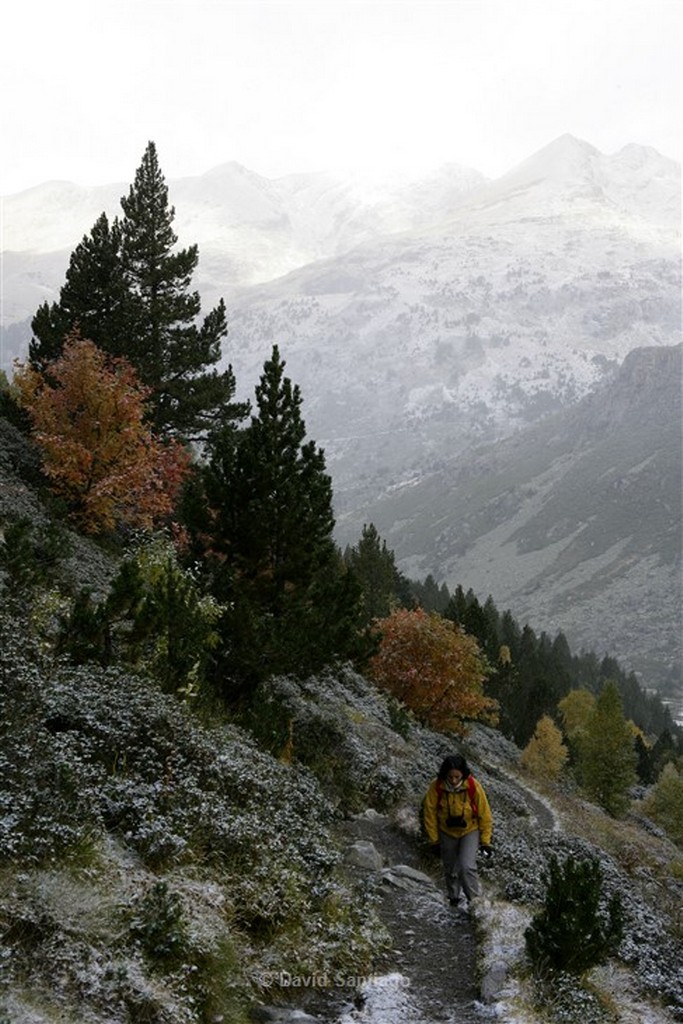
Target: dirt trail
{"points": [[428, 974]]}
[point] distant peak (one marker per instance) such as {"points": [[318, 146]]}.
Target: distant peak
{"points": [[568, 143], [638, 156], [566, 157], [232, 168]]}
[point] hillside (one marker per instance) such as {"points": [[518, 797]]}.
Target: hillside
{"points": [[189, 871], [173, 864], [573, 523]]}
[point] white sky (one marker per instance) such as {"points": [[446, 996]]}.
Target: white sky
{"points": [[284, 86]]}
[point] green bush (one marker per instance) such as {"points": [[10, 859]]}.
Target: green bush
{"points": [[158, 924], [570, 933]]}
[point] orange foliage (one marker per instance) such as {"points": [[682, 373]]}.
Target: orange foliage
{"points": [[87, 413], [435, 669]]}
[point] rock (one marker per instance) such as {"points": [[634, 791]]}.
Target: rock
{"points": [[370, 814], [405, 871], [404, 877], [365, 855], [281, 1015], [493, 982]]}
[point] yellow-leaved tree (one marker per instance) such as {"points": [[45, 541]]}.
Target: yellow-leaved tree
{"points": [[545, 755], [87, 412], [434, 668]]}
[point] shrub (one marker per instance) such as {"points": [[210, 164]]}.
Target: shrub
{"points": [[158, 925], [339, 727], [569, 933]]}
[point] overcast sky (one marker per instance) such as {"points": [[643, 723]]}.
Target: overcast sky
{"points": [[283, 87]]}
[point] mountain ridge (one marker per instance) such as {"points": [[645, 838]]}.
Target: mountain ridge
{"points": [[574, 522]]}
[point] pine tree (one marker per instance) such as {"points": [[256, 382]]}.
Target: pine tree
{"points": [[170, 352], [570, 933], [128, 290], [29, 557], [94, 299], [375, 568], [265, 530], [606, 753], [429, 595]]}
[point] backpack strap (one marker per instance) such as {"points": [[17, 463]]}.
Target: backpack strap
{"points": [[471, 788]]}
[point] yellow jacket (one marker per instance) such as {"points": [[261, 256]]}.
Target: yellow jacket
{"points": [[440, 804]]}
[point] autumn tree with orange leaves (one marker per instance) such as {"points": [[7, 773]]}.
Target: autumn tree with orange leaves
{"points": [[434, 668], [87, 414]]}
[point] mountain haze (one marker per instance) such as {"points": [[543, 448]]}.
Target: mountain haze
{"points": [[491, 366], [574, 522]]}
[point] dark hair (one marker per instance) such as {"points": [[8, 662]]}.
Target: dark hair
{"points": [[453, 762]]}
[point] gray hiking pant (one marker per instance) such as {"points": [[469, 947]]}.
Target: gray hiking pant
{"points": [[459, 858]]}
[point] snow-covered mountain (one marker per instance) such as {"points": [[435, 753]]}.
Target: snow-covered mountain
{"points": [[520, 301], [421, 317], [249, 228]]}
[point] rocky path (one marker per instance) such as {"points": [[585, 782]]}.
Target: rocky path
{"points": [[427, 976], [428, 973]]}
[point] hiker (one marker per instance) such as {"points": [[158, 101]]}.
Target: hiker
{"points": [[458, 823]]}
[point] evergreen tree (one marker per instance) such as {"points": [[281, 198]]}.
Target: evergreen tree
{"points": [[375, 569], [169, 350], [154, 618], [644, 768], [94, 299], [128, 290], [570, 933], [663, 751], [510, 635], [606, 753], [265, 527], [29, 559], [430, 596]]}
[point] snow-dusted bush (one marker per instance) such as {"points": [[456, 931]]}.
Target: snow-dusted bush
{"points": [[342, 729], [569, 933], [88, 753]]}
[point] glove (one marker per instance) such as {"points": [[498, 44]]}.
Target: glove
{"points": [[486, 853]]}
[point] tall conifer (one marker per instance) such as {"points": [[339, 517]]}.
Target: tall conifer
{"points": [[93, 299], [375, 567], [292, 605], [128, 290]]}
